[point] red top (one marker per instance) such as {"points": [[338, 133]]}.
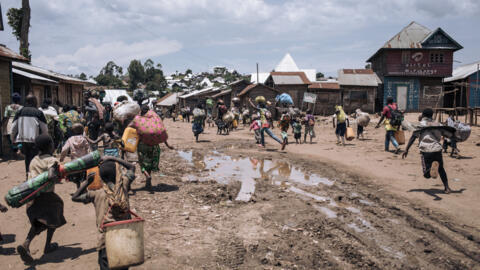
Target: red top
{"points": [[386, 110]]}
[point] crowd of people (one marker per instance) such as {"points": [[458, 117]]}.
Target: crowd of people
{"points": [[38, 132], [46, 136]]}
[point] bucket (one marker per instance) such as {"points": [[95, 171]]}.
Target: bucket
{"points": [[350, 135], [124, 242], [400, 137], [130, 139], [97, 182]]}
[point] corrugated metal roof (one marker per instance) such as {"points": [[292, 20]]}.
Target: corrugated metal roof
{"points": [[410, 37], [415, 36], [287, 64], [324, 85], [9, 54], [358, 77], [290, 78], [224, 92], [44, 72], [197, 92], [170, 100], [31, 76], [463, 72], [251, 86], [262, 75]]}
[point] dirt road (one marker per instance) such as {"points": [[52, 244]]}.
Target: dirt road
{"points": [[225, 204]]}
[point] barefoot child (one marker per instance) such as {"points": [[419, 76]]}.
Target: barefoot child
{"points": [[110, 202], [75, 147], [45, 212], [429, 134]]}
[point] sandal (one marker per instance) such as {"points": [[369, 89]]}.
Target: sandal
{"points": [[25, 254]]}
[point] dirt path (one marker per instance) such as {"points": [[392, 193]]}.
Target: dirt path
{"points": [[311, 207]]}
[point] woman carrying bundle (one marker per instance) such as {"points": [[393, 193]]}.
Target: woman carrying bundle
{"points": [[198, 120], [148, 148]]}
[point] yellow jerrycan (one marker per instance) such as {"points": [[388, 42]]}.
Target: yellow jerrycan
{"points": [[130, 140]]}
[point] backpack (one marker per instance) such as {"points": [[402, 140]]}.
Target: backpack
{"points": [[396, 116]]}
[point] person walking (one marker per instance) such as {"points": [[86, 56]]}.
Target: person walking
{"points": [[390, 115], [9, 115], [28, 123]]}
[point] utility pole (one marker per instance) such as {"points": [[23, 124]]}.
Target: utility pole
{"points": [[258, 79]]}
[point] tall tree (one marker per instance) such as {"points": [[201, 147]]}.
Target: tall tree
{"points": [[110, 75], [136, 72], [19, 20]]}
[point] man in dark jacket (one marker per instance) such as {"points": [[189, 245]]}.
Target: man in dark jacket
{"points": [[28, 123]]}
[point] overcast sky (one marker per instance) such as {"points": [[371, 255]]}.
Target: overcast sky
{"points": [[82, 35]]}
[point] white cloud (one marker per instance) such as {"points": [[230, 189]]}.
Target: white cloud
{"points": [[93, 58]]}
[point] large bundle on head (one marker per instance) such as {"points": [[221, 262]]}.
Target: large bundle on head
{"points": [[228, 117], [260, 99], [363, 119], [151, 129], [126, 110], [462, 132], [236, 100], [198, 113], [284, 99]]}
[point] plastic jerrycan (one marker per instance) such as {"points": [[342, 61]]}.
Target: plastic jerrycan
{"points": [[130, 139]]}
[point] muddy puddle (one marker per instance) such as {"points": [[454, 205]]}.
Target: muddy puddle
{"points": [[224, 169]]}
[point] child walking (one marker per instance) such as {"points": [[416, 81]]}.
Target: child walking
{"points": [[342, 123], [283, 124], [297, 130], [75, 147], [309, 123], [256, 126], [429, 134], [45, 212], [111, 146], [111, 202]]}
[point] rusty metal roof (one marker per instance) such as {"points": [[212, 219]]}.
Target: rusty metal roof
{"points": [[409, 38], [251, 86], [358, 77], [43, 72], [416, 36], [11, 55], [324, 85]]}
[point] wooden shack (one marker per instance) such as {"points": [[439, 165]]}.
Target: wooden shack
{"points": [[254, 90], [68, 90], [293, 83], [359, 89], [6, 83], [328, 95], [412, 65]]}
